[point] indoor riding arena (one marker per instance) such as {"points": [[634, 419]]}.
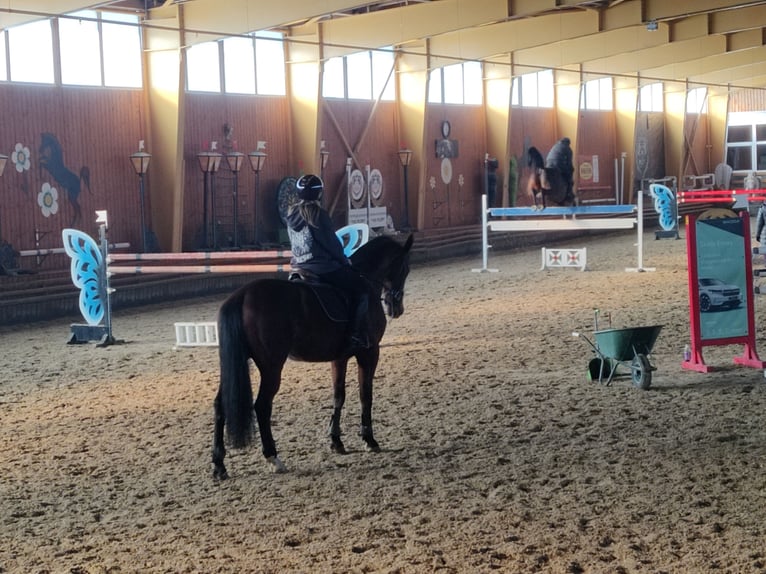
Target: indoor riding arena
{"points": [[566, 196], [498, 453]]}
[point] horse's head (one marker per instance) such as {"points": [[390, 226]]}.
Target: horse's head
{"points": [[393, 286], [50, 150], [386, 264]]}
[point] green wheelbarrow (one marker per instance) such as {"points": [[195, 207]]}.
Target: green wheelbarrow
{"points": [[629, 348]]}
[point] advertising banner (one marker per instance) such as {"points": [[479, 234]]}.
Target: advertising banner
{"points": [[720, 270], [722, 280]]}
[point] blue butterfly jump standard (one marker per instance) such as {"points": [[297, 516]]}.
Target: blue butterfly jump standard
{"points": [[89, 273], [666, 205]]}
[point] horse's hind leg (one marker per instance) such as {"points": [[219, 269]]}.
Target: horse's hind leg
{"points": [[219, 450], [263, 406], [339, 398]]}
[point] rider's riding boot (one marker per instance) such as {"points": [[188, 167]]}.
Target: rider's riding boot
{"points": [[360, 338]]}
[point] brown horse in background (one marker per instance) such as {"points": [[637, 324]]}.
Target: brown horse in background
{"points": [[547, 184]]}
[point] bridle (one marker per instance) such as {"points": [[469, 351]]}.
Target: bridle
{"points": [[392, 297]]}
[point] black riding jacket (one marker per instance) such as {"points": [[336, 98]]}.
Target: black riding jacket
{"points": [[315, 249]]}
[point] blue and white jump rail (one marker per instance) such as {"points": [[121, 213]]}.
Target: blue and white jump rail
{"points": [[578, 218]]}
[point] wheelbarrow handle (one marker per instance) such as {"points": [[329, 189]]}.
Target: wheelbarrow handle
{"points": [[580, 335]]}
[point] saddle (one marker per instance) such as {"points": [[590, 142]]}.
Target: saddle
{"points": [[334, 302]]}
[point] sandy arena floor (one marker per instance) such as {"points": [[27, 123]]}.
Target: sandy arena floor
{"points": [[498, 453]]}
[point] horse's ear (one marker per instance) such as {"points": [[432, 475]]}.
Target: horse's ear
{"points": [[409, 242]]}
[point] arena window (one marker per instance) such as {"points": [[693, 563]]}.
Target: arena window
{"points": [[597, 94], [534, 90]]}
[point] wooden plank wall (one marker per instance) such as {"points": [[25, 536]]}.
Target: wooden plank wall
{"points": [[368, 134], [250, 119], [97, 130], [696, 133], [596, 143], [454, 187]]}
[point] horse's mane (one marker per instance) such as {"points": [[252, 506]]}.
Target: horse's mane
{"points": [[373, 249], [535, 158]]}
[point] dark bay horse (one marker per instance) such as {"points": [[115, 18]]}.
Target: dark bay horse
{"points": [[270, 320], [546, 183]]}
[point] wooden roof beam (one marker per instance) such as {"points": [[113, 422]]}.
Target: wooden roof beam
{"points": [[721, 69], [484, 27], [639, 61], [703, 65], [661, 10], [410, 24]]}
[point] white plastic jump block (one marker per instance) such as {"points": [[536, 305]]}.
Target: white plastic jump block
{"points": [[554, 258], [196, 334]]}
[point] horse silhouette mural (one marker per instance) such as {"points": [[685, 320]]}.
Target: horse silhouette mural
{"points": [[52, 161]]}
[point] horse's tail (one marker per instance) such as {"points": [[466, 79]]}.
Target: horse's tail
{"points": [[535, 158], [236, 390], [85, 176]]}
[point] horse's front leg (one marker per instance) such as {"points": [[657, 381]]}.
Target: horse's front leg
{"points": [[219, 450], [339, 399], [367, 363]]}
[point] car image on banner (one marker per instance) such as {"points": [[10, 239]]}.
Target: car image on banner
{"points": [[716, 294]]}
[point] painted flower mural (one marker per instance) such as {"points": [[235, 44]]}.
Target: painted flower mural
{"points": [[48, 200], [20, 158]]}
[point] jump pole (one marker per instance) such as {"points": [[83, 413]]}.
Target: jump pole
{"points": [[196, 269], [200, 256], [61, 250], [212, 256]]}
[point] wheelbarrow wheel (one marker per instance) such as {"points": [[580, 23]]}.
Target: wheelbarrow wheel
{"points": [[641, 372]]}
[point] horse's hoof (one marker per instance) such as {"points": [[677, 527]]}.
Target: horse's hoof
{"points": [[337, 446], [277, 467], [372, 445], [219, 473]]}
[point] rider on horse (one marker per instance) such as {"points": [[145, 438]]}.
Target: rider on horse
{"points": [[560, 158], [317, 251]]}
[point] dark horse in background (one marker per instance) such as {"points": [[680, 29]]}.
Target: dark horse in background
{"points": [[52, 161], [270, 320], [547, 184]]}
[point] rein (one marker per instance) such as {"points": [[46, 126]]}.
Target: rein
{"points": [[389, 296]]}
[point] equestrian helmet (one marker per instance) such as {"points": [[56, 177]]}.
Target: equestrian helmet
{"points": [[310, 187]]}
